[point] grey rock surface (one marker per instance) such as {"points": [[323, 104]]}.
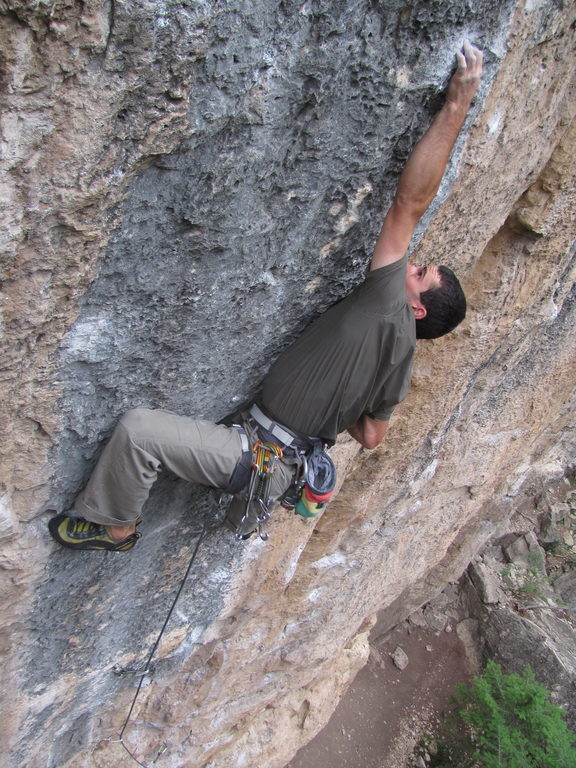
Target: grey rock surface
{"points": [[534, 623], [485, 582], [565, 588], [539, 640], [400, 658], [526, 553], [299, 121]]}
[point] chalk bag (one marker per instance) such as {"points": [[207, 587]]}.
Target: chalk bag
{"points": [[319, 484]]}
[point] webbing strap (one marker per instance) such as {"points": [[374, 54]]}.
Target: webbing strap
{"points": [[241, 475], [273, 427], [243, 438]]}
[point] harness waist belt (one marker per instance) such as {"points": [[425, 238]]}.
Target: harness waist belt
{"points": [[282, 434]]}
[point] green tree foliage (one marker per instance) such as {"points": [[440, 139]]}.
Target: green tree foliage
{"points": [[506, 721]]}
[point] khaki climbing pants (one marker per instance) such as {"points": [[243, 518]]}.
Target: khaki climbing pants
{"points": [[144, 442]]}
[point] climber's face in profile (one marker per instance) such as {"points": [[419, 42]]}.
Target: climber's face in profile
{"points": [[421, 279], [418, 281]]}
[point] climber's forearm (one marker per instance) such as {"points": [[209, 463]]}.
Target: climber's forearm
{"points": [[425, 167]]}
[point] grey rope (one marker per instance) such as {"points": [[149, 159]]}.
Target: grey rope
{"points": [[120, 739]]}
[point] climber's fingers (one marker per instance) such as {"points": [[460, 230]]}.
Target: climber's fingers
{"points": [[472, 58]]}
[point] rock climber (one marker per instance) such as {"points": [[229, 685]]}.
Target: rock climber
{"points": [[346, 372]]}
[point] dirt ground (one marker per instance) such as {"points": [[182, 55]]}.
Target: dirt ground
{"points": [[385, 711]]}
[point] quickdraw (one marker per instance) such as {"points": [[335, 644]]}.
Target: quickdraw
{"points": [[257, 512]]}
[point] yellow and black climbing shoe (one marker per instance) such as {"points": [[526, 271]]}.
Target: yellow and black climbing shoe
{"points": [[77, 533]]}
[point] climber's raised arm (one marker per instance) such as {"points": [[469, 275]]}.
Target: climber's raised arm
{"points": [[425, 167]]}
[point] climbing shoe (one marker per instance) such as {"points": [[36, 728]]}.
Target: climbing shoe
{"points": [[77, 533]]}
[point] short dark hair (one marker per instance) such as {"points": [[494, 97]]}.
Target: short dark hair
{"points": [[445, 307]]}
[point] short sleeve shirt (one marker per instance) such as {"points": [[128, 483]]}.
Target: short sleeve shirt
{"points": [[355, 359]]}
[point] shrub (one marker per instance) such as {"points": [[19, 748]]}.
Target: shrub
{"points": [[505, 721]]}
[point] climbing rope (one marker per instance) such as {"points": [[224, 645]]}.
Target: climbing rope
{"points": [[121, 671]]}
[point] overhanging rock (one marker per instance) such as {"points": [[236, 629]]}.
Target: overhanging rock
{"points": [[187, 185]]}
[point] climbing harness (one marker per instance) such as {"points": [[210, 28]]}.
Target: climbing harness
{"points": [[314, 475], [148, 669]]}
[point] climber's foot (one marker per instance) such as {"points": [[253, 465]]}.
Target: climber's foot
{"points": [[77, 533]]}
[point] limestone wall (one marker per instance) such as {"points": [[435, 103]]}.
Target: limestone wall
{"points": [[185, 185]]}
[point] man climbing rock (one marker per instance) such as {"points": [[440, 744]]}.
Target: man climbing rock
{"points": [[346, 372]]}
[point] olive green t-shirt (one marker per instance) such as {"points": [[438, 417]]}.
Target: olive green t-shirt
{"points": [[355, 359]]}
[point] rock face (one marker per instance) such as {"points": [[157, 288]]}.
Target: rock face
{"points": [[185, 186], [533, 621], [512, 605]]}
